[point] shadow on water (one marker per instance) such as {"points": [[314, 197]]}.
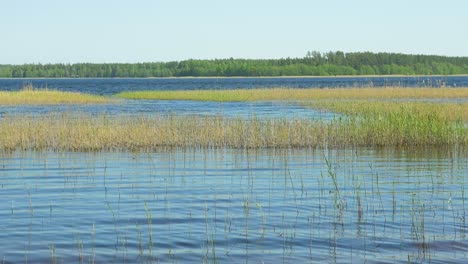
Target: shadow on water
{"points": [[224, 205]]}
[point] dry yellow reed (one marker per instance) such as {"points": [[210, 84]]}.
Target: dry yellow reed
{"points": [[45, 97], [298, 94], [80, 132]]}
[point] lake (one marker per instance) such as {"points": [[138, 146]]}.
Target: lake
{"points": [[234, 206], [374, 205], [269, 110], [114, 86], [286, 110]]}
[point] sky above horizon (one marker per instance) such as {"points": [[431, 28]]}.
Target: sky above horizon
{"points": [[106, 31]]}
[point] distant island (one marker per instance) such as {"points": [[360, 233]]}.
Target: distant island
{"points": [[313, 64]]}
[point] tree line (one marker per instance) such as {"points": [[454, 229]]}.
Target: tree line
{"points": [[313, 64]]}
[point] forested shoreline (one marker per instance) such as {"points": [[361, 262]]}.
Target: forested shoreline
{"points": [[313, 64]]}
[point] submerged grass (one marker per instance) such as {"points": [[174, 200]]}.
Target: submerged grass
{"points": [[81, 132], [47, 97], [297, 94]]}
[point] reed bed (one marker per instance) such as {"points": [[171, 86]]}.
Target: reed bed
{"points": [[298, 94], [384, 123], [80, 132], [49, 97], [456, 112]]}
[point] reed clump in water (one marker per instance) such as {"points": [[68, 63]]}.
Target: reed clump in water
{"points": [[401, 123], [297, 94], [91, 133], [457, 112], [31, 96], [80, 132]]}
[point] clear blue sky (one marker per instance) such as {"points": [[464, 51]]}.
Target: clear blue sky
{"points": [[69, 31]]}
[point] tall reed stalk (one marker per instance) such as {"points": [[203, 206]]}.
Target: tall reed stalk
{"points": [[149, 217], [103, 133]]}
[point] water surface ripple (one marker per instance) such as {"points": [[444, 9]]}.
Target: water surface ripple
{"points": [[112, 86], [265, 206], [264, 110]]}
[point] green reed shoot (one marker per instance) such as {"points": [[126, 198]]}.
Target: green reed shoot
{"points": [[80, 132], [340, 204], [112, 212], [210, 240], [246, 206], [262, 215], [149, 217], [79, 244], [53, 254], [31, 209], [93, 233]]}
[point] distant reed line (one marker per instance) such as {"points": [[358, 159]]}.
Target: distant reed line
{"points": [[81, 132], [374, 123], [31, 96], [270, 94]]}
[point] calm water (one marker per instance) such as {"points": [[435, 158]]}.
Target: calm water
{"points": [[113, 86], [234, 206], [281, 110]]}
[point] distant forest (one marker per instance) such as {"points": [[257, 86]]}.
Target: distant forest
{"points": [[313, 64]]}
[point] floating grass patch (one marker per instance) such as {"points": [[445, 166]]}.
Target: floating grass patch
{"points": [[297, 94], [82, 132], [48, 97]]}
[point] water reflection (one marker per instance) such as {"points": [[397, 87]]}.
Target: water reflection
{"points": [[375, 205]]}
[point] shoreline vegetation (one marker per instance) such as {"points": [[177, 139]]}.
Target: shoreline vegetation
{"points": [[80, 132], [257, 76], [313, 64], [380, 122], [29, 95], [266, 94]]}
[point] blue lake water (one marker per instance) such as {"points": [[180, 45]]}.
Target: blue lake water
{"points": [[286, 110], [228, 205], [271, 110], [113, 86], [232, 206]]}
